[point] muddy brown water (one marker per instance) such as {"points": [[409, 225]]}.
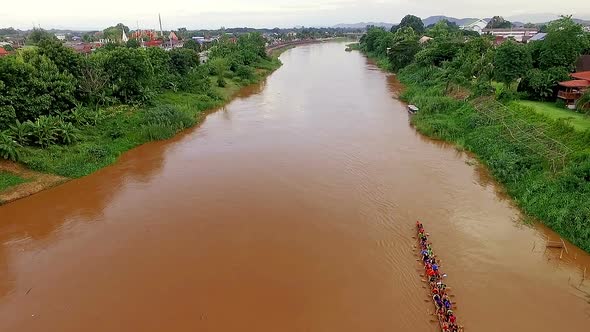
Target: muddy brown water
{"points": [[291, 209]]}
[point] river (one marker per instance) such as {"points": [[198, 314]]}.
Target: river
{"points": [[291, 209]]}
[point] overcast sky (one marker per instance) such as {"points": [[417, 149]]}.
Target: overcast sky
{"points": [[76, 14]]}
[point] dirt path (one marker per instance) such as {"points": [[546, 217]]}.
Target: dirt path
{"points": [[37, 182]]}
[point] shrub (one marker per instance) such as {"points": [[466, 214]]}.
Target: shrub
{"points": [[66, 133], [9, 148], [96, 153], [154, 132], [169, 116], [221, 82], [182, 60], [44, 131], [21, 132], [245, 72], [196, 81]]}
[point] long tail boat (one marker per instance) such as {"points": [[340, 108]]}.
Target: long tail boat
{"points": [[434, 279]]}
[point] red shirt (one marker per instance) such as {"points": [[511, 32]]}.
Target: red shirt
{"points": [[453, 319]]}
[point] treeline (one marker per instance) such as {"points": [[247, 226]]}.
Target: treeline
{"points": [[475, 62], [50, 95], [465, 88]]}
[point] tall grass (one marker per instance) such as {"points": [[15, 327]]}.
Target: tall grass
{"points": [[8, 180]]}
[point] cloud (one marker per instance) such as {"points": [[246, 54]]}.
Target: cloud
{"points": [[258, 13]]}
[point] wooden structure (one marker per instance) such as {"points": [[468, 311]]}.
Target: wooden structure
{"points": [[572, 90]]}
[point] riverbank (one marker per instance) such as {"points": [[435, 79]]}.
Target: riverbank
{"points": [[542, 162], [105, 136]]}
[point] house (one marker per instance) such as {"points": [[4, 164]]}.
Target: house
{"points": [[3, 52], [538, 37], [61, 37], [587, 28], [153, 43], [81, 48], [477, 25], [519, 34], [572, 90]]}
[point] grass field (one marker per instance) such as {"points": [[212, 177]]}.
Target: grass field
{"points": [[8, 180], [579, 121]]}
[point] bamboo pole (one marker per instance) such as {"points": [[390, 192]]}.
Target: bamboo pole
{"points": [[563, 242]]}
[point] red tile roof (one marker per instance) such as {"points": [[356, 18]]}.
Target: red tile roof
{"points": [[3, 52], [583, 75], [575, 84]]}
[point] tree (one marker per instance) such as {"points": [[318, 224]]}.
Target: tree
{"points": [[93, 81], [63, 57], [563, 45], [440, 50], [130, 75], [442, 29], [404, 47], [371, 39], [37, 35], [115, 33], [530, 25], [192, 45], [183, 60], [133, 43], [89, 37], [498, 22], [34, 86], [161, 64], [8, 48], [542, 84], [219, 67], [411, 21], [511, 62]]}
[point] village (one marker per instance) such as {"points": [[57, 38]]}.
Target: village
{"points": [[87, 42]]}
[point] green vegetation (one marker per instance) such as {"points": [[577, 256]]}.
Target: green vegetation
{"points": [[541, 154], [8, 180], [579, 121], [70, 115]]}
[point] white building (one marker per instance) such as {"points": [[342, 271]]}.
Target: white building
{"points": [[519, 34], [477, 26], [60, 36], [587, 28]]}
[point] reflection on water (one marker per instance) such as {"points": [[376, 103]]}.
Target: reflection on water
{"points": [[290, 209]]}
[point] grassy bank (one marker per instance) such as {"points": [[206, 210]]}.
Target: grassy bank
{"points": [[542, 160], [579, 121], [8, 180], [103, 138]]}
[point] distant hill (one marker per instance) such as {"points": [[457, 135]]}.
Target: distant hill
{"points": [[363, 25], [435, 19], [518, 21]]}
